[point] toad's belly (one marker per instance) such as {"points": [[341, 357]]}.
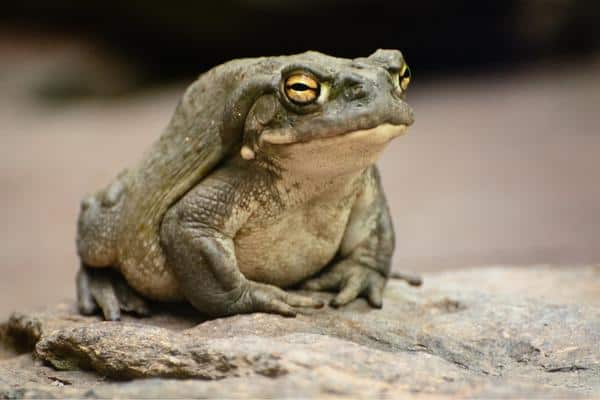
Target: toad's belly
{"points": [[292, 247]]}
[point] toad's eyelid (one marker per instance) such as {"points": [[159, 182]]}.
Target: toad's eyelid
{"points": [[317, 73]]}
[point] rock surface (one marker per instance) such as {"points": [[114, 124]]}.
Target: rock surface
{"points": [[497, 332]]}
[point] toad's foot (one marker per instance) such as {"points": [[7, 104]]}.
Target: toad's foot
{"points": [[260, 297], [353, 280], [107, 289]]}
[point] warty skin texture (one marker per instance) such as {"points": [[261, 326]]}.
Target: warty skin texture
{"points": [[248, 192]]}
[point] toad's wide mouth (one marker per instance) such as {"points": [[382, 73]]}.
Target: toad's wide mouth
{"points": [[383, 132]]}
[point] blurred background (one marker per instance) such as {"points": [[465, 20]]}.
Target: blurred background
{"points": [[501, 166]]}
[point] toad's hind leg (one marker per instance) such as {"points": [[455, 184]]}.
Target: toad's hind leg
{"points": [[98, 284], [97, 226], [107, 290]]}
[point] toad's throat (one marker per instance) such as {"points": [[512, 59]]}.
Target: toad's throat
{"points": [[284, 136]]}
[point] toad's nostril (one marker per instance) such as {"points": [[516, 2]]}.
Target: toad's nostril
{"points": [[355, 92]]}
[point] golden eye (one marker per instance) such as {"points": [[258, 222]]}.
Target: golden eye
{"points": [[404, 77], [302, 89]]}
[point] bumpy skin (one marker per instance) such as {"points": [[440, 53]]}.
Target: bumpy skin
{"points": [[248, 192]]}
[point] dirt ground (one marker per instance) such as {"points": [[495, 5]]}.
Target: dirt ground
{"points": [[500, 169]]}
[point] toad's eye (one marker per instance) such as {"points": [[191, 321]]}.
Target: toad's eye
{"points": [[404, 77], [302, 89]]}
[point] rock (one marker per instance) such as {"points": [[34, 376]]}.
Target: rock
{"points": [[496, 332]]}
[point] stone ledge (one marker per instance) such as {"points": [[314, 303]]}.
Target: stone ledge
{"points": [[482, 332]]}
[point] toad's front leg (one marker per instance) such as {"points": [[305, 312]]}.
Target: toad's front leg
{"points": [[197, 237]]}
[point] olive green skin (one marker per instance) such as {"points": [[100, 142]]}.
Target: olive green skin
{"points": [[189, 220]]}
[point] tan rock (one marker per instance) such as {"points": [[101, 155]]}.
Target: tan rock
{"points": [[464, 334]]}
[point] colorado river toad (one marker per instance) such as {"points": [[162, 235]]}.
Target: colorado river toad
{"points": [[264, 179]]}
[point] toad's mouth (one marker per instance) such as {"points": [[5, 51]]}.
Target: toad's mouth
{"points": [[380, 133]]}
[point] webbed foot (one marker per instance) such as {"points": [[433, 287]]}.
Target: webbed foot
{"points": [[107, 290], [352, 280]]}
